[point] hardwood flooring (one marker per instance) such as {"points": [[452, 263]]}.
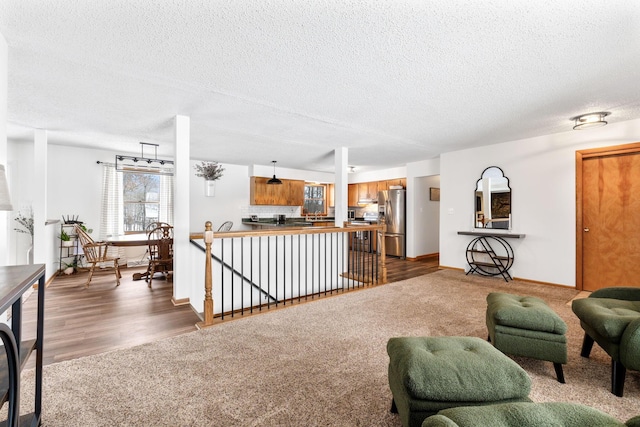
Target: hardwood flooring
{"points": [[82, 321]]}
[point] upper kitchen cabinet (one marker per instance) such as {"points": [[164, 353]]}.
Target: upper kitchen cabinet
{"points": [[367, 192], [331, 195], [385, 185], [352, 194], [289, 193]]}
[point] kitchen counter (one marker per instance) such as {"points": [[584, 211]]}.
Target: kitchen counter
{"points": [[267, 223]]}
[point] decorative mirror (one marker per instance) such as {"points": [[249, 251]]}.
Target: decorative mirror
{"points": [[493, 200]]}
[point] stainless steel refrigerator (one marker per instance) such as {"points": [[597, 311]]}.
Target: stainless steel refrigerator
{"points": [[392, 206]]}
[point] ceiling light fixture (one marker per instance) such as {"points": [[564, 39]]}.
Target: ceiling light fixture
{"points": [[144, 164], [274, 180], [591, 120]]}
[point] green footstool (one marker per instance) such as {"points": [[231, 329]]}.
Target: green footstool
{"points": [[427, 374], [527, 326]]}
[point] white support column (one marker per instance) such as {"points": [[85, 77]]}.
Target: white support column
{"points": [[4, 216], [341, 157], [39, 191], [181, 271]]}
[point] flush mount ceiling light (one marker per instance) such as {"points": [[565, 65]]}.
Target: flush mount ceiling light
{"points": [[591, 120], [144, 164], [274, 180]]}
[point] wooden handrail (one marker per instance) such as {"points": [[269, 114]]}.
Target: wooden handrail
{"points": [[208, 235], [285, 231]]}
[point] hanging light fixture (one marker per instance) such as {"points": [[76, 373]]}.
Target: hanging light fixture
{"points": [[144, 164], [274, 180], [591, 120], [5, 199]]}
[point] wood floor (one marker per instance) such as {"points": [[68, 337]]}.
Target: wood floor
{"points": [[82, 321]]}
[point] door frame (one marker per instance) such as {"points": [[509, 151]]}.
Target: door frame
{"points": [[580, 156]]}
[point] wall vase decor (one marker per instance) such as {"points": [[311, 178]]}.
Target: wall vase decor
{"points": [[210, 171], [209, 188]]}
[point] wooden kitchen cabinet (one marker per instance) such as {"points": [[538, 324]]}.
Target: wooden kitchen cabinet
{"points": [[352, 194], [331, 195], [368, 191], [289, 193], [392, 182]]}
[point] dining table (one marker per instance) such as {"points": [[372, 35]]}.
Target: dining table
{"points": [[128, 240]]}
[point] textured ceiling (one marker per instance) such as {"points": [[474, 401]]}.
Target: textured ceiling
{"points": [[395, 81]]}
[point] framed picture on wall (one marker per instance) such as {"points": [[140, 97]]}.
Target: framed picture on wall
{"points": [[434, 194]]}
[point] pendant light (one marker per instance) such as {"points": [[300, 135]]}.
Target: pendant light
{"points": [[274, 180]]}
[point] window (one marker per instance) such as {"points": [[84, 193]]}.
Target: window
{"points": [[141, 200], [132, 200], [314, 199]]}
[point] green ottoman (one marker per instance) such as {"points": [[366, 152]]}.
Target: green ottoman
{"points": [[427, 374], [527, 326]]}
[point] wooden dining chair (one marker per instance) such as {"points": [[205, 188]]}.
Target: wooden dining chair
{"points": [[225, 226], [160, 241], [97, 253]]}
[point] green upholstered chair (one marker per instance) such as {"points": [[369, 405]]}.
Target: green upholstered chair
{"points": [[611, 317], [526, 414], [527, 326]]}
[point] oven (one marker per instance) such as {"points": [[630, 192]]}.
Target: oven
{"points": [[363, 240]]}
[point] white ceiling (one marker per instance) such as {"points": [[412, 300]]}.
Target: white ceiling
{"points": [[395, 81]]}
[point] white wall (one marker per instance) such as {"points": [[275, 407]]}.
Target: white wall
{"points": [[426, 224], [4, 216], [542, 178], [229, 203], [416, 200], [378, 175]]}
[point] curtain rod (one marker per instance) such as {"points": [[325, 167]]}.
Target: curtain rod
{"points": [[105, 163]]}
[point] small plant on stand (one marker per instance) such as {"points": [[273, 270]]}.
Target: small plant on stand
{"points": [[69, 268], [65, 238]]}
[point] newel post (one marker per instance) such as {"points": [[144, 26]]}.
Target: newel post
{"points": [[208, 280], [382, 248]]}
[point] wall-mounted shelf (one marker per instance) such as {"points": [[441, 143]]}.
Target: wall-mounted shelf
{"points": [[489, 254], [501, 234]]}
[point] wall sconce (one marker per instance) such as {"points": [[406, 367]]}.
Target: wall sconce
{"points": [[591, 120], [5, 199]]}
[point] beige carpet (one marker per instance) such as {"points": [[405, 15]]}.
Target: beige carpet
{"points": [[317, 364]]}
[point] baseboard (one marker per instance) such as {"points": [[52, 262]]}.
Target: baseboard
{"points": [[558, 285], [423, 257], [181, 301], [138, 263]]}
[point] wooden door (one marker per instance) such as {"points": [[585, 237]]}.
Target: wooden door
{"points": [[609, 224]]}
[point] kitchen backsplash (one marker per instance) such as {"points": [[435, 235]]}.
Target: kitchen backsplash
{"points": [[269, 211]]}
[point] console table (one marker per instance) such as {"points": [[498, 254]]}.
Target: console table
{"points": [[14, 281], [489, 254]]}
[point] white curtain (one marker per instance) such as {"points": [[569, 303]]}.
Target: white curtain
{"points": [[165, 213], [112, 214]]}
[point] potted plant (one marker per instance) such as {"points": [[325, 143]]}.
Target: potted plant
{"points": [[211, 172], [65, 238], [26, 223], [69, 268]]}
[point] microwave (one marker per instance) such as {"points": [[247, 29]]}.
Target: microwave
{"points": [[351, 214]]}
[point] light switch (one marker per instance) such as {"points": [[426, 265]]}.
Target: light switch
{"points": [[450, 211]]}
